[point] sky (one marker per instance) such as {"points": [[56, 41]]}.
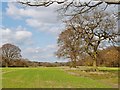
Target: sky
{"points": [[33, 29]]}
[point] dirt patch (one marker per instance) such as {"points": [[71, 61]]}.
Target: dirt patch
{"points": [[8, 71], [99, 73], [72, 73]]}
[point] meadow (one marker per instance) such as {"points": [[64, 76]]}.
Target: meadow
{"points": [[59, 77]]}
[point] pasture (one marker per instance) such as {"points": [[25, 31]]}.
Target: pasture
{"points": [[58, 77]]}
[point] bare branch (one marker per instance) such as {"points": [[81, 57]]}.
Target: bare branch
{"points": [[41, 3], [110, 1]]}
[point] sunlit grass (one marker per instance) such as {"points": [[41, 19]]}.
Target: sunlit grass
{"points": [[49, 78]]}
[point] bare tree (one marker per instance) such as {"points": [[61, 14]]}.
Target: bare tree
{"points": [[10, 52], [84, 6], [69, 46], [110, 1], [75, 5], [91, 29], [37, 3]]}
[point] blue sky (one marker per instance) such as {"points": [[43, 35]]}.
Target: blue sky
{"points": [[34, 30]]}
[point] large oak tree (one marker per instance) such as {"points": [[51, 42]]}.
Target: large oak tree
{"points": [[90, 30]]}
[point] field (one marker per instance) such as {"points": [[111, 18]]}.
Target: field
{"points": [[58, 77]]}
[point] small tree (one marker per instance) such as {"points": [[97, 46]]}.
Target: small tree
{"points": [[10, 52]]}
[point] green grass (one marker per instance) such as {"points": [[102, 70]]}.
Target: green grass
{"points": [[53, 78], [106, 75], [109, 68]]}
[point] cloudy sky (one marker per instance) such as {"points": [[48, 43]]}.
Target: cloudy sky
{"points": [[33, 29]]}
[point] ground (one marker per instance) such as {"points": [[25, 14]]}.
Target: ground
{"points": [[59, 77]]}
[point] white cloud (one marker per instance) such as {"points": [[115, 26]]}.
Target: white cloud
{"points": [[15, 36], [53, 47], [32, 12], [45, 27], [45, 53], [43, 18], [47, 15], [20, 35], [41, 50], [36, 23], [5, 32], [35, 50]]}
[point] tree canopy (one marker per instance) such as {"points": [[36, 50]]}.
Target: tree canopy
{"points": [[10, 52], [85, 32]]}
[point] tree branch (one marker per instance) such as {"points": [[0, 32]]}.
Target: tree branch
{"points": [[41, 3]]}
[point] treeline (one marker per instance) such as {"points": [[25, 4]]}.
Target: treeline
{"points": [[109, 57], [28, 63]]}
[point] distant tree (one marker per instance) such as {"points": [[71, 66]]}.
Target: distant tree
{"points": [[109, 56], [10, 52], [0, 60]]}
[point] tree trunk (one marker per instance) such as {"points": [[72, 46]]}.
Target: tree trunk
{"points": [[6, 65], [74, 64], [95, 62]]}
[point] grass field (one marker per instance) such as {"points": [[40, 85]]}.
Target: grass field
{"points": [[60, 77]]}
